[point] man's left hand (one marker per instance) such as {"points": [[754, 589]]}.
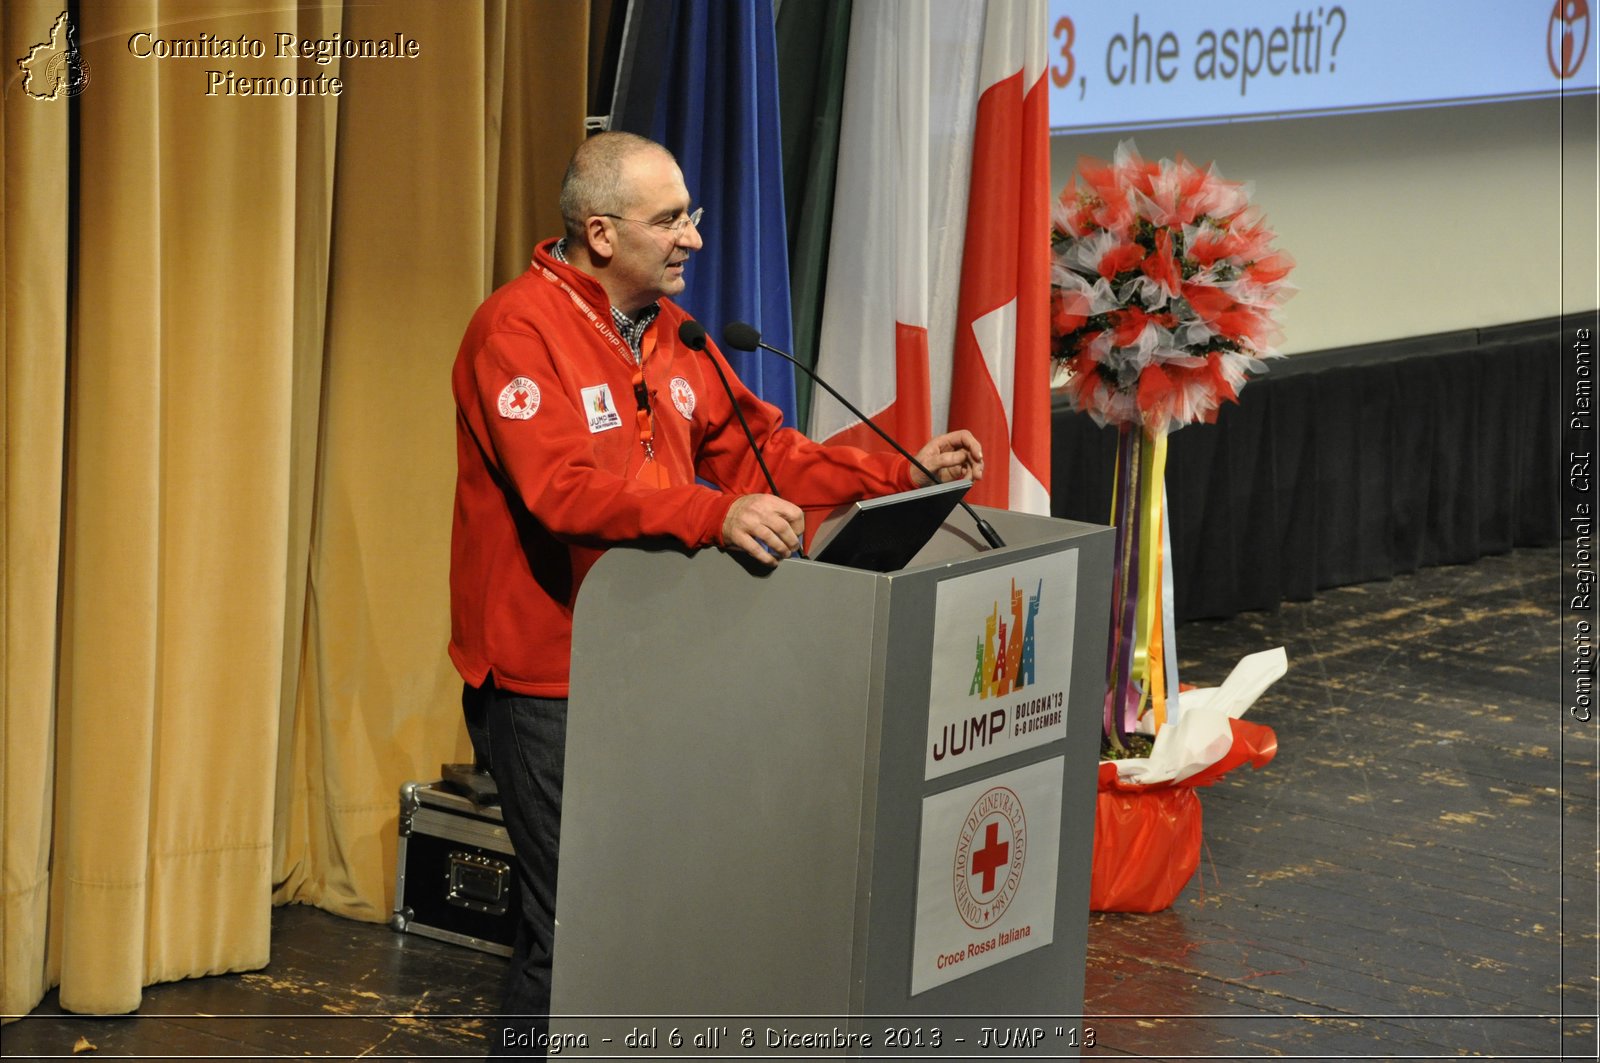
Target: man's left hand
{"points": [[952, 456]]}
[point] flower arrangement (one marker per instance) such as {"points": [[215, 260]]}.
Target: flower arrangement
{"points": [[1164, 288]]}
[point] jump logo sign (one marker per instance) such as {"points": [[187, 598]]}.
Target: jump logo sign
{"points": [[1002, 661], [1006, 664], [989, 853]]}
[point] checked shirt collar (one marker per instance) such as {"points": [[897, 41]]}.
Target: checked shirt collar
{"points": [[630, 329]]}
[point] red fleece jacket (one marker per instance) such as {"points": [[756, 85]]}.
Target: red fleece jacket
{"points": [[548, 453]]}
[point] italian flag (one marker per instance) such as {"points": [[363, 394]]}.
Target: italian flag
{"points": [[938, 278]]}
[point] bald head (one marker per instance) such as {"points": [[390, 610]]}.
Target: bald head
{"points": [[628, 219], [597, 182]]}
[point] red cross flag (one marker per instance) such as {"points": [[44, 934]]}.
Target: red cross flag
{"points": [[1000, 380], [938, 277]]}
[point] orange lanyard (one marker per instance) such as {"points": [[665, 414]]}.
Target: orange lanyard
{"points": [[650, 472]]}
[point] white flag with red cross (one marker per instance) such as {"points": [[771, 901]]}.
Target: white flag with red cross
{"points": [[938, 277]]}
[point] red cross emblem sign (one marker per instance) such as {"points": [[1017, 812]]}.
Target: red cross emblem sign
{"points": [[990, 853], [519, 400]]}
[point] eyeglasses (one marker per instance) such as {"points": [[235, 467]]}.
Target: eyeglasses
{"points": [[674, 228]]}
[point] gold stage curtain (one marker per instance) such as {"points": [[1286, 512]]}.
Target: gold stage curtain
{"points": [[229, 323]]}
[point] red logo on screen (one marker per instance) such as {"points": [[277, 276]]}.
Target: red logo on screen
{"points": [[1567, 39]]}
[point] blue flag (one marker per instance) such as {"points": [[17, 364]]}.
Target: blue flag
{"points": [[717, 110]]}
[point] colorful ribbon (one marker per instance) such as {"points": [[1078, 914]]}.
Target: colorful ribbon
{"points": [[1141, 662]]}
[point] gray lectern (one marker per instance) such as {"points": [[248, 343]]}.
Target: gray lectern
{"points": [[820, 811]]}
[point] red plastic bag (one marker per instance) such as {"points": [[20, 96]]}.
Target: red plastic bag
{"points": [[1147, 838], [1146, 844]]}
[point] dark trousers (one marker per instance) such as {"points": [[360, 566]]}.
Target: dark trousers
{"points": [[523, 740]]}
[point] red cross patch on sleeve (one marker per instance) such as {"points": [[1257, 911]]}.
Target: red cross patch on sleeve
{"points": [[682, 397], [519, 400]]}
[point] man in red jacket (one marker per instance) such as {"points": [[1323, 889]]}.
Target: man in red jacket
{"points": [[582, 422]]}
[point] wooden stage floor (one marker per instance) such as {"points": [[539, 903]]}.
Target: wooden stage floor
{"points": [[1390, 887]]}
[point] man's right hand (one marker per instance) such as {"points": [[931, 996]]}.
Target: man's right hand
{"points": [[763, 526]]}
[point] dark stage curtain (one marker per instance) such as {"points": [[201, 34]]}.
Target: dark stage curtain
{"points": [[1349, 465]]}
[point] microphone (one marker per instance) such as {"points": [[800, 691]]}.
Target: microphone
{"points": [[744, 337], [693, 336]]}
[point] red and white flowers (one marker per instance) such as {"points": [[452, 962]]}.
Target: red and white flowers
{"points": [[1164, 290]]}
